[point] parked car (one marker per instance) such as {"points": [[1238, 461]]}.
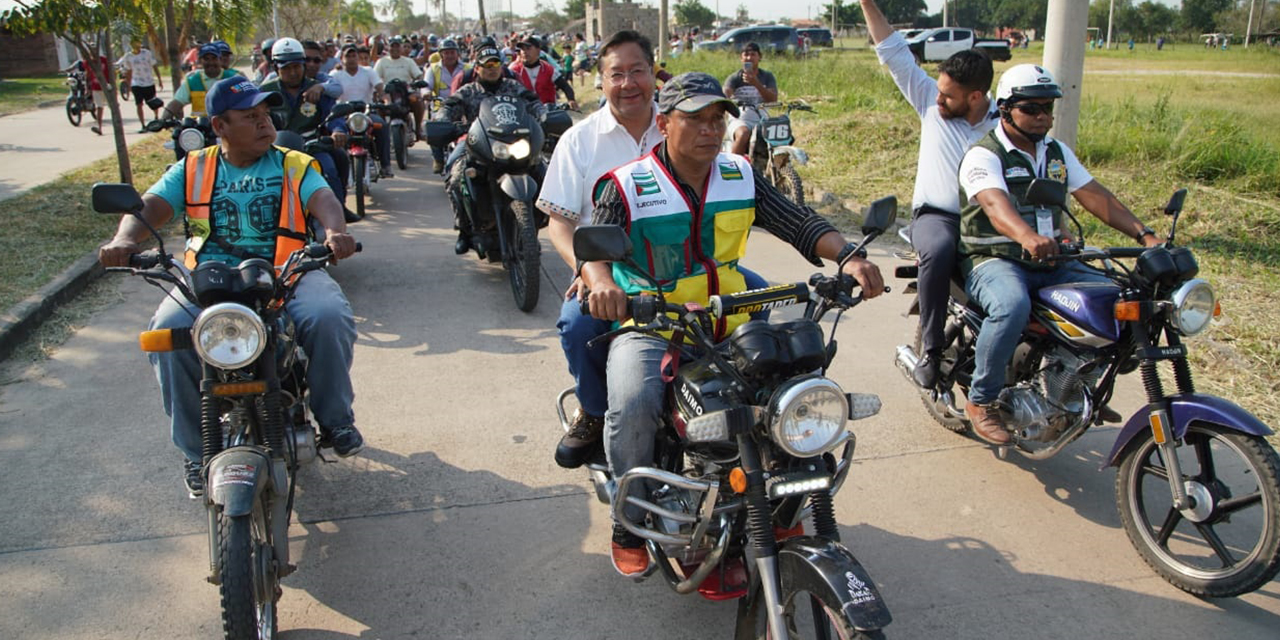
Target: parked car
{"points": [[775, 38], [818, 36], [935, 45]]}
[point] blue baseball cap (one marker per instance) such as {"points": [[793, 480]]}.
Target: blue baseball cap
{"points": [[237, 93], [222, 46], [209, 50]]}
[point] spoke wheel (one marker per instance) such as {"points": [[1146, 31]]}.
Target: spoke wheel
{"points": [[524, 262], [1228, 542], [74, 115], [358, 176], [249, 582], [789, 184]]}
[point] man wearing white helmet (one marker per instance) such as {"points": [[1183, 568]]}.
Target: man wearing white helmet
{"points": [[1004, 242]]}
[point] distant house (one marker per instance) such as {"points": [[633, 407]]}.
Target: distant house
{"points": [[33, 55]]}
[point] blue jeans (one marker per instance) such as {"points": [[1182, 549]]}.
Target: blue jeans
{"points": [[587, 364], [326, 330], [382, 138], [635, 408], [1003, 289], [335, 167]]}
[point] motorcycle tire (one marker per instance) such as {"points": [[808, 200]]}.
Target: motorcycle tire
{"points": [[248, 586], [1235, 547], [74, 115], [358, 170], [801, 617], [523, 268], [398, 143], [791, 186], [942, 417]]}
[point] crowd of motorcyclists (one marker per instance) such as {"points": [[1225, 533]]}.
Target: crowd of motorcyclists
{"points": [[662, 157]]}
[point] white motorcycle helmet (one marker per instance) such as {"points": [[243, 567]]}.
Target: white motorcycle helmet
{"points": [[1026, 81], [287, 50]]}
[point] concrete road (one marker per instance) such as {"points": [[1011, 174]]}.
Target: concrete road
{"points": [[39, 145], [456, 523]]}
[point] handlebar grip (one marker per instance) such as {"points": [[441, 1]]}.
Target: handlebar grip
{"points": [[146, 260], [1126, 252], [752, 301]]}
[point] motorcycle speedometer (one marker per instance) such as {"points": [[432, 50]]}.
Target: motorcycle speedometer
{"points": [[808, 415], [191, 139], [229, 335]]}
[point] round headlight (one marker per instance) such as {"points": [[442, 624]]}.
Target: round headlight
{"points": [[520, 149], [191, 139], [808, 417], [229, 335], [501, 150], [358, 123], [1193, 305]]}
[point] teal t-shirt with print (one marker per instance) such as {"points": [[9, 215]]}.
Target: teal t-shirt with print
{"points": [[246, 203]]}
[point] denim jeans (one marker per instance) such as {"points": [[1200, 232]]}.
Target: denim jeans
{"points": [[587, 364], [335, 167], [382, 138], [326, 329], [635, 407], [1003, 289]]}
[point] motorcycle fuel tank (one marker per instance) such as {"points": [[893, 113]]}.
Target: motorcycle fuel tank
{"points": [[1082, 313]]}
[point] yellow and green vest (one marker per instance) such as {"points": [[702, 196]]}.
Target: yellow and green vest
{"points": [[693, 254], [195, 85]]}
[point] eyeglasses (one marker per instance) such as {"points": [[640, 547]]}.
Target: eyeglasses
{"points": [[1034, 109], [491, 64], [619, 78], [315, 60]]}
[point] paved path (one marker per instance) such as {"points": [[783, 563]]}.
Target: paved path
{"points": [[456, 523], [39, 145]]}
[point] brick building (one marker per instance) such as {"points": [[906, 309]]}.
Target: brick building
{"points": [[36, 55], [604, 18]]}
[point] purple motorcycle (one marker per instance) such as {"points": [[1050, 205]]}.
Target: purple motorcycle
{"points": [[1198, 487]]}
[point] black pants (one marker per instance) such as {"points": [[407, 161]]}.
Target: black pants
{"points": [[934, 235]]}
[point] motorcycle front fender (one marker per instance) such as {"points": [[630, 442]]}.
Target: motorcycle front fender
{"points": [[819, 566], [1184, 409], [797, 154], [236, 477], [522, 187]]}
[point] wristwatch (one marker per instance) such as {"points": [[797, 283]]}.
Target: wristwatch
{"points": [[1146, 231], [848, 249]]}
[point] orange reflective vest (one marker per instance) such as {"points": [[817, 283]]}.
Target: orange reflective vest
{"points": [[202, 176]]}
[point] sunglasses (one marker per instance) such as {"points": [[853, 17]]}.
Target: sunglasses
{"points": [[491, 64], [1034, 109]]}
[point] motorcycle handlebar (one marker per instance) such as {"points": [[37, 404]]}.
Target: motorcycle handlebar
{"points": [[145, 260]]}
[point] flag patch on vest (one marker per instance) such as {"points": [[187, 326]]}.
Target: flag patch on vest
{"points": [[729, 171], [1017, 172], [646, 183]]}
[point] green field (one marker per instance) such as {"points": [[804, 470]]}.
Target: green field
{"points": [[21, 94], [1151, 122]]}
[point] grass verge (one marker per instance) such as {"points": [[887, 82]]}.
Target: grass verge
{"points": [[51, 226], [22, 94]]}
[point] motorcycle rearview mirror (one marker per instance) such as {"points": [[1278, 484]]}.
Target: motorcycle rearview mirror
{"points": [[1047, 193], [116, 198], [419, 84], [441, 133], [155, 104], [154, 126], [1174, 208], [601, 242], [342, 110], [290, 140], [879, 215]]}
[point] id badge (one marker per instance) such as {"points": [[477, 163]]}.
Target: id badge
{"points": [[1044, 222]]}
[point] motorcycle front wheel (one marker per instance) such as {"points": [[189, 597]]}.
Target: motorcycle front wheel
{"points": [[358, 170], [808, 615], [1228, 543], [248, 582], [525, 256], [74, 115], [397, 143], [789, 184]]}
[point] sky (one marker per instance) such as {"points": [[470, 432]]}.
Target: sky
{"points": [[760, 9]]}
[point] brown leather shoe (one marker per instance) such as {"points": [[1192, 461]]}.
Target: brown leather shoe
{"points": [[987, 423]]}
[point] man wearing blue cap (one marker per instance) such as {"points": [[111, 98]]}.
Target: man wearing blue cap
{"points": [[224, 219], [194, 87], [712, 199]]}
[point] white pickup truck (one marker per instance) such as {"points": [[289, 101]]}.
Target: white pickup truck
{"points": [[936, 45]]}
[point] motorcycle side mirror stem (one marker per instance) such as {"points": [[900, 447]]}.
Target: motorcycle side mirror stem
{"points": [[1174, 208]]}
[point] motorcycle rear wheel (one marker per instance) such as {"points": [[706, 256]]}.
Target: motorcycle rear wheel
{"points": [[248, 584], [358, 170], [944, 418], [523, 268], [1235, 547], [74, 115], [397, 143], [808, 615]]}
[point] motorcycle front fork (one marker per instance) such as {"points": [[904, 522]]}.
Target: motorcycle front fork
{"points": [[1158, 416], [764, 544]]}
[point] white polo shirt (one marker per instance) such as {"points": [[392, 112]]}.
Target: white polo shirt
{"points": [[943, 141], [358, 87], [584, 154], [980, 170]]}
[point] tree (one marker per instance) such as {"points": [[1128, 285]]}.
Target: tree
{"points": [[742, 14], [1022, 14], [547, 19], [575, 9], [1201, 16], [358, 16], [692, 13], [89, 28]]}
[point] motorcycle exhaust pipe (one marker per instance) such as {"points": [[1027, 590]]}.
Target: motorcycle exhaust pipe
{"points": [[906, 361]]}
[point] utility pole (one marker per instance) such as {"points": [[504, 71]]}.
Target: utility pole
{"points": [[944, 12], [1064, 57], [1110, 17], [835, 28], [663, 17], [1249, 29]]}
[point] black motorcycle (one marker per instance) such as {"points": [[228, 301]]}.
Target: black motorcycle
{"points": [[79, 98], [772, 149], [255, 428], [745, 458], [494, 199], [1198, 487], [400, 119], [188, 134], [557, 121]]}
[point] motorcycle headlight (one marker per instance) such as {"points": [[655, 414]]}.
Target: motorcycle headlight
{"points": [[358, 122], [1193, 305], [229, 335], [518, 150], [807, 417], [191, 139]]}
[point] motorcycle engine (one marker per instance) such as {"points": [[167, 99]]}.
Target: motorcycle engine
{"points": [[1041, 409]]}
